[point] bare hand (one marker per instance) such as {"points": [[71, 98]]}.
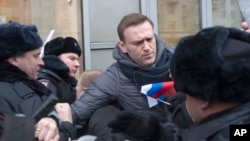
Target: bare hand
{"points": [[64, 111], [46, 130], [245, 27]]}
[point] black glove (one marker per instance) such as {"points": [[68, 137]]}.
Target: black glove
{"points": [[178, 110], [137, 126], [175, 100]]}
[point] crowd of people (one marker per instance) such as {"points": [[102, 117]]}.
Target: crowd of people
{"points": [[210, 71]]}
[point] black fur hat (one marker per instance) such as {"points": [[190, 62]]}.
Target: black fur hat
{"points": [[61, 45], [213, 65], [16, 39]]}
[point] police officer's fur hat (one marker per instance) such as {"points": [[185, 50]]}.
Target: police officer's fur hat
{"points": [[16, 39], [213, 65], [61, 45]]}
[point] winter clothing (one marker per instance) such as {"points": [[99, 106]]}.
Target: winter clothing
{"points": [[99, 127], [213, 65], [179, 111], [142, 76], [55, 73], [16, 39], [114, 87], [55, 76], [126, 121], [61, 45], [24, 87], [19, 93], [213, 128]]}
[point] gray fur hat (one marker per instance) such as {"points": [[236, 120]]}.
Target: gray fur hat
{"points": [[16, 39], [213, 65]]}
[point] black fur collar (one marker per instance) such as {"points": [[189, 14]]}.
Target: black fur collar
{"points": [[11, 74]]}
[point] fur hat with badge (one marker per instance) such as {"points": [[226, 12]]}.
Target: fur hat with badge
{"points": [[61, 45], [213, 65], [16, 39]]}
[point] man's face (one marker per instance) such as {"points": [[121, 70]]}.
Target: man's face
{"points": [[72, 61], [30, 62], [139, 44]]}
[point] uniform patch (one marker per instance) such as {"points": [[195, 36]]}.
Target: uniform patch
{"points": [[45, 82]]}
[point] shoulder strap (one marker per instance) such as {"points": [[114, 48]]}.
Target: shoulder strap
{"points": [[14, 93], [44, 73], [22, 90]]}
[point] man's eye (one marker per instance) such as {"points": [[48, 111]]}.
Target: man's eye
{"points": [[138, 43], [36, 56], [149, 39], [72, 58]]}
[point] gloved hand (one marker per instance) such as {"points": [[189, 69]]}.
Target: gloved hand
{"points": [[175, 100], [137, 126], [178, 110]]}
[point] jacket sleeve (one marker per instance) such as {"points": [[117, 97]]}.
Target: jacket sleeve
{"points": [[66, 131], [100, 93]]}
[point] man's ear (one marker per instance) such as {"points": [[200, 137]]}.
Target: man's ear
{"points": [[205, 105], [83, 89], [122, 46], [13, 61]]}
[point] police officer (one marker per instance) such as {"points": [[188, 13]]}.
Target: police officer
{"points": [[19, 66], [61, 58]]}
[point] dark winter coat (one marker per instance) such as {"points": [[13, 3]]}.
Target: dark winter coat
{"points": [[55, 76], [114, 87], [19, 93], [214, 128]]}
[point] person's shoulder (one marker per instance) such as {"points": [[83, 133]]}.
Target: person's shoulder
{"points": [[2, 83], [6, 87], [48, 74], [111, 74], [12, 86], [15, 92], [113, 67]]}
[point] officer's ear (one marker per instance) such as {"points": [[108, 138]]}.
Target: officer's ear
{"points": [[13, 61]]}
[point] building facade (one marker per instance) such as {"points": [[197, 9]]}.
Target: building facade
{"points": [[93, 22]]}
